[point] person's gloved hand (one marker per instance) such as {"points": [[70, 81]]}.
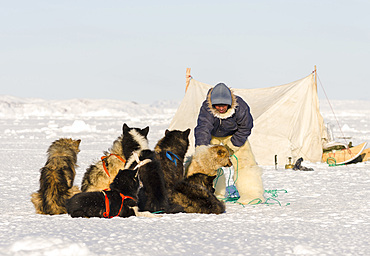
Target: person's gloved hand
{"points": [[231, 148], [231, 152]]}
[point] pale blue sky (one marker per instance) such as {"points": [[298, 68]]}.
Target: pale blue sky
{"points": [[139, 50]]}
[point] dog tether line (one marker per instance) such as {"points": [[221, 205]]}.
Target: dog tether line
{"points": [[107, 208], [274, 192], [104, 161], [140, 163]]}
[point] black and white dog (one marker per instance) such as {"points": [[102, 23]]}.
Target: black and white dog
{"points": [[120, 156]]}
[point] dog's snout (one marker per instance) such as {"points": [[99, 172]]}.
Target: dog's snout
{"points": [[229, 164]]}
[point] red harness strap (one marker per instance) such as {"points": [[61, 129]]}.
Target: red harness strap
{"points": [[103, 159], [107, 208]]}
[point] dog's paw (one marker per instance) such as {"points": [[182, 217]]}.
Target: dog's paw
{"points": [[148, 215], [144, 214]]}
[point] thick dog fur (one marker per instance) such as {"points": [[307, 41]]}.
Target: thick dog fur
{"points": [[170, 151], [92, 204], [152, 195], [132, 139], [207, 159], [195, 195], [57, 176]]}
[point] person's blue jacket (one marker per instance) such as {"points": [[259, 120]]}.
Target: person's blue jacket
{"points": [[237, 121]]}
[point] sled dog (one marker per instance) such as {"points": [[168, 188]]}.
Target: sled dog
{"points": [[171, 150], [57, 176], [120, 200], [208, 159], [98, 176], [153, 195], [195, 194]]}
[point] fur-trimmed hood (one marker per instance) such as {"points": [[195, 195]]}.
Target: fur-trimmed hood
{"points": [[229, 112], [237, 121]]}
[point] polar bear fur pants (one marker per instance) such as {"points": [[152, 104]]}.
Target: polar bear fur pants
{"points": [[247, 176]]}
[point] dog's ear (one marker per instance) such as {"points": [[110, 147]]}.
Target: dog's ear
{"points": [[125, 128], [145, 131], [211, 178], [166, 132], [77, 143], [186, 133]]}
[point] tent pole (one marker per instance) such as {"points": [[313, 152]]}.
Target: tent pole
{"points": [[188, 76]]}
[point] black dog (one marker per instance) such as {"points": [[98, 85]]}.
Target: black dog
{"points": [[119, 201], [195, 195], [171, 150], [152, 195]]}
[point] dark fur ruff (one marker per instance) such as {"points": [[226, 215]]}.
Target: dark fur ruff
{"points": [[132, 139], [57, 176], [172, 146], [195, 195], [153, 194], [92, 204]]}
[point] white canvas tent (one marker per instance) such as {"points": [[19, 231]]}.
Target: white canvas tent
{"points": [[287, 121]]}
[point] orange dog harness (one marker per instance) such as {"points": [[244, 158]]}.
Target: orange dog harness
{"points": [[104, 161], [107, 208]]}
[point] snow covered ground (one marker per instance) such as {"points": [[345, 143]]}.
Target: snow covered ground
{"points": [[325, 212]]}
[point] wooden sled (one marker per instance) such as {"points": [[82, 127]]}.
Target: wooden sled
{"points": [[339, 157], [365, 155]]}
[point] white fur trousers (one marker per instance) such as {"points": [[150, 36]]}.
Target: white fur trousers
{"points": [[247, 175]]}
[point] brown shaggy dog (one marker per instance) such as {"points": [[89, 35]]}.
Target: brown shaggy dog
{"points": [[56, 180], [98, 176], [207, 159]]}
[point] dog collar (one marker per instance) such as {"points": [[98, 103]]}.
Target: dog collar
{"points": [[172, 157]]}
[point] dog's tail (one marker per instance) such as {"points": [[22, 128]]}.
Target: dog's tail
{"points": [[54, 191]]}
